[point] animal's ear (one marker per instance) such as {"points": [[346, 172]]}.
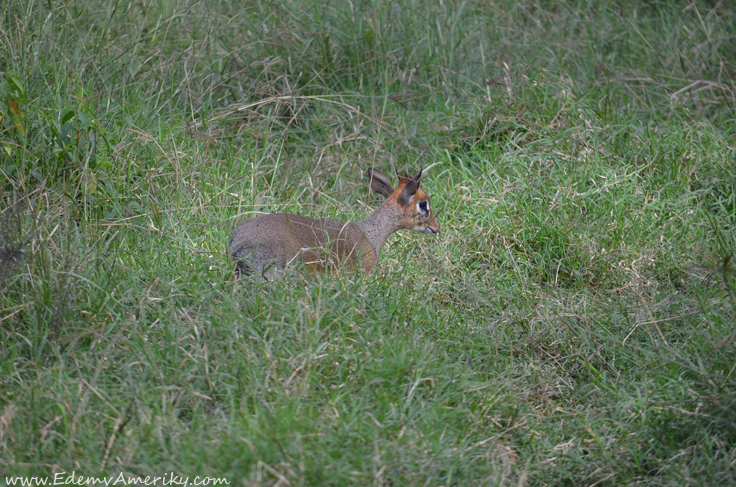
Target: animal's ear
{"points": [[379, 182], [408, 192]]}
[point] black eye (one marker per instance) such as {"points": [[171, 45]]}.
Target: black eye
{"points": [[424, 206]]}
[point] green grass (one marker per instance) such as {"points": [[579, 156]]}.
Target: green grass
{"points": [[573, 324]]}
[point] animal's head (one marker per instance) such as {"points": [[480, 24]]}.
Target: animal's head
{"points": [[412, 203]]}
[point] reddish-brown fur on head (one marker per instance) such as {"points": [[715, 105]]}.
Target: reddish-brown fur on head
{"points": [[415, 208]]}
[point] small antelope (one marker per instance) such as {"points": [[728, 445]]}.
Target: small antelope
{"points": [[268, 242]]}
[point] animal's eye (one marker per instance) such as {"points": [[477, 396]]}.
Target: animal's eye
{"points": [[423, 206]]}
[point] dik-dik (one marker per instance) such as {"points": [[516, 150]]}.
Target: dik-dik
{"points": [[267, 243]]}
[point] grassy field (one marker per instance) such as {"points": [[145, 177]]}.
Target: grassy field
{"points": [[573, 324]]}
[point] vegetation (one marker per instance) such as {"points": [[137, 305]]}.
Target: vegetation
{"points": [[573, 324]]}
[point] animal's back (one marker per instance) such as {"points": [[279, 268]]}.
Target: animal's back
{"points": [[275, 240]]}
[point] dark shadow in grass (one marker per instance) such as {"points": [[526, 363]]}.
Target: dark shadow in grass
{"points": [[12, 241]]}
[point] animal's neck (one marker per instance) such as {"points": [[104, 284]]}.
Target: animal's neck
{"points": [[379, 226]]}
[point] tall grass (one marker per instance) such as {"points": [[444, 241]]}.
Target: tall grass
{"points": [[573, 324]]}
